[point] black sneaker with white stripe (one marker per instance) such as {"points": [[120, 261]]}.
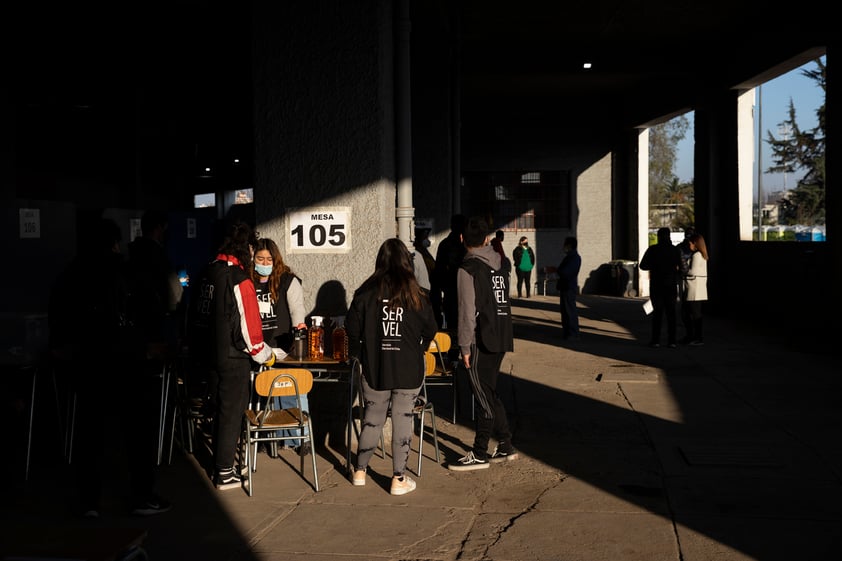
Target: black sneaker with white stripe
{"points": [[468, 463], [227, 479], [503, 454]]}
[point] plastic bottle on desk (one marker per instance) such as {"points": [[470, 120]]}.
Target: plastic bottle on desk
{"points": [[316, 339], [299, 343], [340, 339]]}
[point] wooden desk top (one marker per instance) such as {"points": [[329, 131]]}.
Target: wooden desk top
{"points": [[288, 360]]}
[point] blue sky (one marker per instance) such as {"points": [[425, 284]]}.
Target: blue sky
{"points": [[807, 97]]}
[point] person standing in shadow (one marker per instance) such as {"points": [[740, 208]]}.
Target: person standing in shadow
{"points": [[506, 264], [663, 261], [92, 331], [568, 288], [156, 290], [422, 243], [684, 309], [449, 256]]}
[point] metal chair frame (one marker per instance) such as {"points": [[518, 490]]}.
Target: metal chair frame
{"points": [[443, 374], [262, 425], [168, 379]]}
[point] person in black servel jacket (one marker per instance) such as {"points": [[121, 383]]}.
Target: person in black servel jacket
{"points": [[93, 337], [226, 338], [390, 324], [485, 336]]}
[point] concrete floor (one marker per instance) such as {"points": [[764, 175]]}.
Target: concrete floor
{"points": [[728, 451]]}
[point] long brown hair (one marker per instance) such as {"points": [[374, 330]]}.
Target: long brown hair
{"points": [[394, 276], [700, 244], [278, 266]]}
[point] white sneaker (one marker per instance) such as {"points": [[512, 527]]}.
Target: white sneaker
{"points": [[402, 485], [358, 478]]}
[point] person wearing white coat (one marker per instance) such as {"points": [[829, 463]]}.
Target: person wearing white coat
{"points": [[697, 288]]}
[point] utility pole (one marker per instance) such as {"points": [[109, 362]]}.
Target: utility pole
{"points": [[759, 163]]}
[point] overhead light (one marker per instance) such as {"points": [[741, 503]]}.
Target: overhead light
{"points": [[587, 66]]}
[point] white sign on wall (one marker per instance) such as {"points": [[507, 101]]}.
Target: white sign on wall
{"points": [[319, 230], [30, 223]]}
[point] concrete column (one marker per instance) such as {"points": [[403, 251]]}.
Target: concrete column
{"points": [[324, 121], [643, 206], [405, 212]]}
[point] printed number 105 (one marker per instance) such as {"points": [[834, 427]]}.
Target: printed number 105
{"points": [[318, 235]]}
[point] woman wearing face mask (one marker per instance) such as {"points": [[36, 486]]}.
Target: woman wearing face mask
{"points": [[281, 301], [523, 261]]}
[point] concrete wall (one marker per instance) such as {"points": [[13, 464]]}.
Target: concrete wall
{"points": [[594, 227], [324, 136]]}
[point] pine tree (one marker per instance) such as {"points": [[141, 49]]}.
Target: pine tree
{"points": [[802, 150]]}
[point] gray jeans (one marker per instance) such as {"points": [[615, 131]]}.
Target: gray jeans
{"points": [[376, 410]]}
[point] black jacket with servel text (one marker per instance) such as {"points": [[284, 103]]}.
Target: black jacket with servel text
{"points": [[225, 326], [390, 342], [485, 313]]}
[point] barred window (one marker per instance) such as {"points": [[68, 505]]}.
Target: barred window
{"points": [[518, 200]]}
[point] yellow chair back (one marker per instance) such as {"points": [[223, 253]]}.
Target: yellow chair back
{"points": [[283, 385]]}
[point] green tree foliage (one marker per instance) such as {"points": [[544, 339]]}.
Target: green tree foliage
{"points": [[671, 203], [802, 150]]}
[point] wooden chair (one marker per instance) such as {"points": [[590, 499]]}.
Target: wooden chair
{"points": [[264, 425], [443, 373]]}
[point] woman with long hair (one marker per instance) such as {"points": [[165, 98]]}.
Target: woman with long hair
{"points": [[281, 300], [697, 287], [390, 325]]}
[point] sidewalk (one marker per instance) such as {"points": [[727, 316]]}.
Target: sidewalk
{"points": [[728, 451]]}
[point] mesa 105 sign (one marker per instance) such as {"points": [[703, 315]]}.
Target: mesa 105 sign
{"points": [[319, 231]]}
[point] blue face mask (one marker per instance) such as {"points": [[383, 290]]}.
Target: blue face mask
{"points": [[263, 270]]}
